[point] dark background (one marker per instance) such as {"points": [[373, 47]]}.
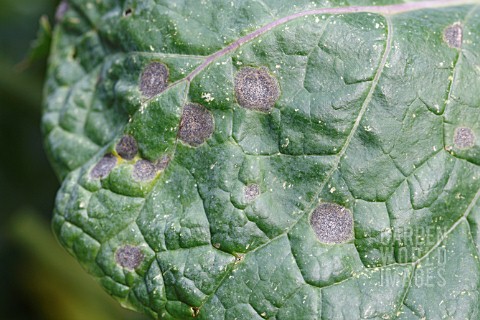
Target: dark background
{"points": [[38, 279]]}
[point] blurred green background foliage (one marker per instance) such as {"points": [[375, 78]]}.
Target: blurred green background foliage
{"points": [[38, 279]]}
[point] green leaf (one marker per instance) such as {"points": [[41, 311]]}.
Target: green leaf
{"points": [[258, 159]]}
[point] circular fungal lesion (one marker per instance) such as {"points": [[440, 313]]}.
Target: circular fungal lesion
{"points": [[127, 147], [332, 223], [464, 138], [252, 191], [104, 166], [129, 257], [453, 35], [154, 79], [196, 125], [256, 89], [144, 170]]}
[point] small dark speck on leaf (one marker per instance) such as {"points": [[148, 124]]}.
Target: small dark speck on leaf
{"points": [[129, 257], [144, 170], [239, 258], [154, 79], [61, 10], [464, 138], [196, 125], [453, 35], [104, 166], [74, 53], [332, 223], [251, 192], [195, 311], [256, 89], [127, 147], [128, 12]]}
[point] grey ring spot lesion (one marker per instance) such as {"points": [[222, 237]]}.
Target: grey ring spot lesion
{"points": [[332, 223], [103, 167], [256, 89], [196, 125], [464, 138], [252, 191], [127, 147], [129, 257], [154, 79], [453, 35], [144, 170]]}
